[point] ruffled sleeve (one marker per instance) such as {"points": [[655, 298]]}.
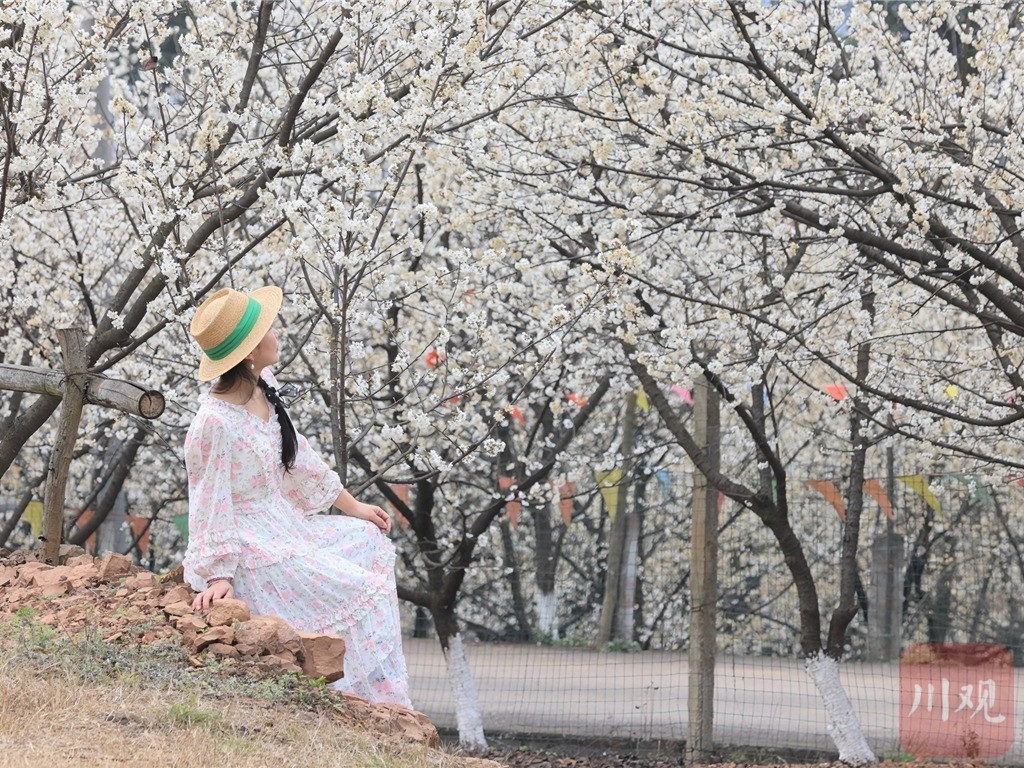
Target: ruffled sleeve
{"points": [[213, 546], [310, 485]]}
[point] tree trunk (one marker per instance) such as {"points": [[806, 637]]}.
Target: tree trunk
{"points": [[468, 719], [547, 613], [546, 555], [112, 486], [515, 581], [625, 606], [843, 725]]}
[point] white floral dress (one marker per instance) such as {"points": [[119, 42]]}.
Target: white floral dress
{"points": [[252, 521]]}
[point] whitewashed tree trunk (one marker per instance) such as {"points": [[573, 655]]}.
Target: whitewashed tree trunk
{"points": [[467, 704], [843, 725], [547, 613]]}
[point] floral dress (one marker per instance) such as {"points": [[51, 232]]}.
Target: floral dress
{"points": [[252, 521]]}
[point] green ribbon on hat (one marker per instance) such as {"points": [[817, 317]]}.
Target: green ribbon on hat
{"points": [[237, 336]]}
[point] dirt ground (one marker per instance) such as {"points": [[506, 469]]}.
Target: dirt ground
{"points": [[529, 758]]}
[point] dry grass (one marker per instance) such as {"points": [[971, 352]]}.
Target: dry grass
{"points": [[56, 710]]}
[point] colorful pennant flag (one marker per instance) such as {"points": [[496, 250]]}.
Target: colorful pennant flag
{"points": [[837, 391], [81, 522], [513, 507], [565, 494], [641, 400], [974, 483], [140, 531], [664, 481], [686, 394], [34, 516], [609, 483], [919, 485], [874, 489], [401, 490], [828, 489], [181, 523]]}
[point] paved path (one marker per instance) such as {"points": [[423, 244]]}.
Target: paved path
{"points": [[762, 702]]}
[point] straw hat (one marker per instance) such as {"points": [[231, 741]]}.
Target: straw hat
{"points": [[230, 324]]}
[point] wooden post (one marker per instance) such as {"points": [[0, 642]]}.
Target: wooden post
{"points": [[76, 387], [617, 533], [885, 621], [703, 582], [72, 347]]}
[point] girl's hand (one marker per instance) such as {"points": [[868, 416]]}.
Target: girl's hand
{"points": [[216, 591], [375, 515]]}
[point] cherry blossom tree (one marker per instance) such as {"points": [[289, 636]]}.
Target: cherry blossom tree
{"points": [[154, 154], [787, 194]]}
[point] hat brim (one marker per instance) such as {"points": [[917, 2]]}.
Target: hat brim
{"points": [[269, 299]]}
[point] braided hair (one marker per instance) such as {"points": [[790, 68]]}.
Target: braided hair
{"points": [[241, 375], [289, 440]]}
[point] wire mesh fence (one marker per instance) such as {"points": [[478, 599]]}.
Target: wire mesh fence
{"points": [[941, 561]]}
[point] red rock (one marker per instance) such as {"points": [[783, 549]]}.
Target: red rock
{"points": [[53, 590], [178, 609], [257, 637], [189, 621], [79, 574], [114, 565], [28, 570], [200, 640], [80, 560], [67, 551], [143, 580], [406, 723], [227, 611], [267, 634], [177, 594], [48, 576], [222, 650], [8, 573], [275, 665], [324, 656]]}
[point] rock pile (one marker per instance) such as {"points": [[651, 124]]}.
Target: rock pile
{"points": [[128, 604]]}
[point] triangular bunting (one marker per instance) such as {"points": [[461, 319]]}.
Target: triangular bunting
{"points": [[140, 531], [836, 391], [686, 394], [874, 489], [401, 490], [641, 400], [975, 484], [828, 489], [919, 485], [513, 507], [608, 483], [81, 522], [565, 494], [181, 523], [34, 516]]}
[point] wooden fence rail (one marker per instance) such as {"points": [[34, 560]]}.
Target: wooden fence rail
{"points": [[76, 387]]}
